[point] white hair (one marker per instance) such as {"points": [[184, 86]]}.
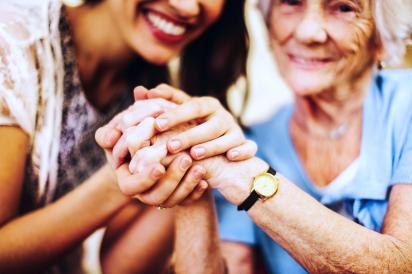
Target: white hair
{"points": [[393, 20]]}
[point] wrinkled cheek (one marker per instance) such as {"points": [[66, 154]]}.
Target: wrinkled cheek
{"points": [[358, 47], [280, 30], [362, 35]]}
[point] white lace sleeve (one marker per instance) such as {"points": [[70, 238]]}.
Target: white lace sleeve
{"points": [[18, 75]]}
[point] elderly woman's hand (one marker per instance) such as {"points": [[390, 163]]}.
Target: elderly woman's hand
{"points": [[216, 134], [133, 130], [217, 131], [172, 189]]}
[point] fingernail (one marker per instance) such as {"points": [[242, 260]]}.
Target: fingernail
{"points": [[161, 123], [199, 152], [175, 144], [185, 163], [234, 154], [157, 173]]}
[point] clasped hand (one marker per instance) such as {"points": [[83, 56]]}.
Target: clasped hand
{"points": [[155, 146]]}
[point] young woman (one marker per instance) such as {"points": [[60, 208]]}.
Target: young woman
{"points": [[64, 71]]}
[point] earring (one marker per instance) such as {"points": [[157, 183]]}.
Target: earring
{"points": [[73, 3], [381, 65]]}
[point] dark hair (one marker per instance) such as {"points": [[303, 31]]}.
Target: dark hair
{"points": [[210, 64], [214, 61]]}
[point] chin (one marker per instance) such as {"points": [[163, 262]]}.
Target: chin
{"points": [[158, 60], [304, 87], [157, 56], [304, 83]]}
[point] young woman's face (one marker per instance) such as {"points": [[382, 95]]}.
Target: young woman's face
{"points": [[319, 44], [158, 30]]}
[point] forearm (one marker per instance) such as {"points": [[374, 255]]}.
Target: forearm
{"points": [[196, 239], [322, 241], [36, 239], [138, 231]]}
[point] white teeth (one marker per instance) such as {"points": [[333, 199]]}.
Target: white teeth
{"points": [[165, 25], [302, 60]]}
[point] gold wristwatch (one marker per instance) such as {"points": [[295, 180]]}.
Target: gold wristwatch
{"points": [[264, 186]]}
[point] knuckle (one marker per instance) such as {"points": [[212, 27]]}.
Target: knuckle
{"points": [[142, 185], [175, 177], [150, 199], [127, 189], [231, 120], [136, 105], [158, 102], [99, 136], [213, 148], [168, 115], [198, 105], [187, 187], [238, 135], [144, 198], [253, 144], [162, 85], [184, 138], [212, 101], [117, 150], [128, 132], [126, 120]]}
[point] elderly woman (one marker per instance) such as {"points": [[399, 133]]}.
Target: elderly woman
{"points": [[340, 200]]}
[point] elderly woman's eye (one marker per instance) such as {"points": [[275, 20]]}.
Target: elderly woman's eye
{"points": [[345, 8], [291, 2]]}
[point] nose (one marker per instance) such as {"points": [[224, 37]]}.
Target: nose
{"points": [[312, 27], [186, 8]]}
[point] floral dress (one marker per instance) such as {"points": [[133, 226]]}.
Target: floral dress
{"points": [[40, 92]]}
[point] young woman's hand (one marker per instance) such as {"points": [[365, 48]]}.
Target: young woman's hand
{"points": [[217, 131], [180, 184], [152, 176], [111, 136]]}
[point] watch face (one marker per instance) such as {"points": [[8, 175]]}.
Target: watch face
{"points": [[266, 185]]}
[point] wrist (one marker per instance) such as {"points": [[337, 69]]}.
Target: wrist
{"points": [[109, 183], [236, 188], [204, 201]]}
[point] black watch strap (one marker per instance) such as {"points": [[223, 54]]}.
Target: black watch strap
{"points": [[249, 202], [271, 171], [253, 196]]}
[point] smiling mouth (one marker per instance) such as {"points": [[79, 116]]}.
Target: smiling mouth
{"points": [[309, 62], [165, 28]]}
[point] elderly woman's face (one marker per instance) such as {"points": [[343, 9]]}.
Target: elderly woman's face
{"points": [[157, 30], [319, 44]]}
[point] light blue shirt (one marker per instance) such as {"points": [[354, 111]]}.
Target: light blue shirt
{"points": [[385, 159]]}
